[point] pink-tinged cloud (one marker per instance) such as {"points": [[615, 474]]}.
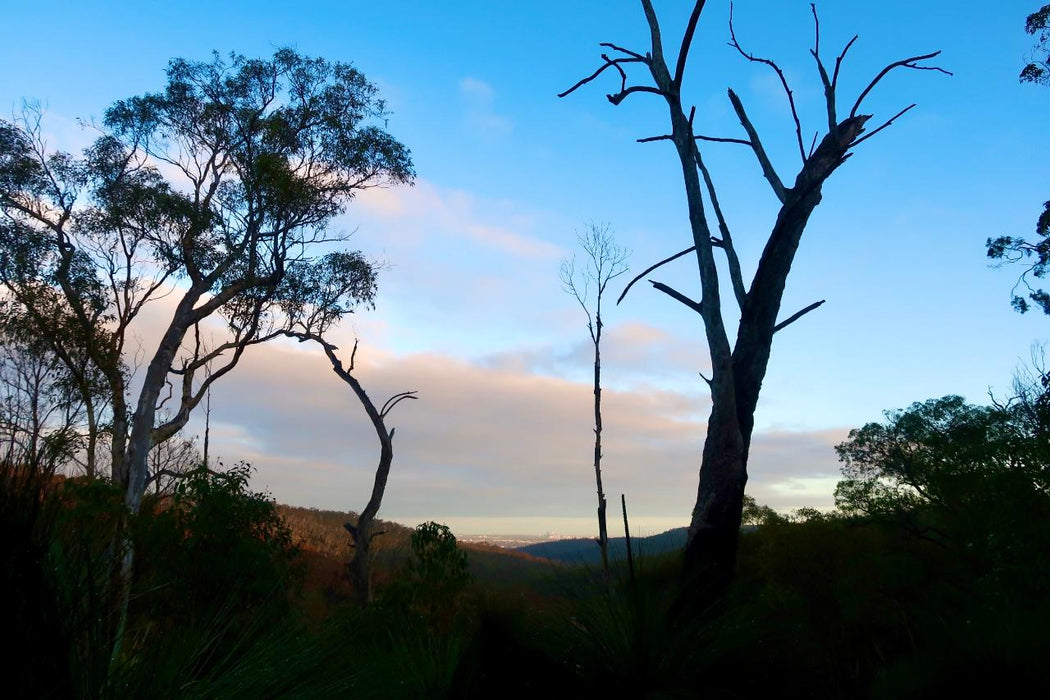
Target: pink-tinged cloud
{"points": [[411, 215], [485, 442]]}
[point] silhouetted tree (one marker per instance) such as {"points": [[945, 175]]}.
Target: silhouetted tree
{"points": [[363, 531], [738, 369], [1014, 249], [605, 261], [213, 194], [975, 480]]}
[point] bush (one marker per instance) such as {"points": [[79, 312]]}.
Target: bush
{"points": [[216, 544]]}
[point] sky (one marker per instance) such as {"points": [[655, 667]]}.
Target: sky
{"points": [[470, 311]]}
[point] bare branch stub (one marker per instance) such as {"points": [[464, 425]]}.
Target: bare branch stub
{"points": [[678, 296], [797, 315]]}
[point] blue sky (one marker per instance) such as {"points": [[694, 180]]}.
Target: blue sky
{"points": [[470, 310]]}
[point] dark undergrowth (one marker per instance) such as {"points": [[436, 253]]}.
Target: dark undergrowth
{"points": [[226, 606]]}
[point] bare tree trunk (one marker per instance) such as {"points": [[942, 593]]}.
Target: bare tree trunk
{"points": [[737, 374], [363, 532], [603, 529], [605, 262]]}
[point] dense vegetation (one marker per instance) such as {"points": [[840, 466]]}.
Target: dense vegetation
{"points": [[929, 578]]}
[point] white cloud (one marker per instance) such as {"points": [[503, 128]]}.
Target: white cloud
{"points": [[413, 215], [479, 100]]}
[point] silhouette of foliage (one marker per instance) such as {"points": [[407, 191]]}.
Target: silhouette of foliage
{"points": [[1015, 249], [215, 541]]}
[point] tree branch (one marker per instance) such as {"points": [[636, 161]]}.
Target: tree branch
{"points": [[726, 243], [687, 40], [829, 86], [911, 63], [780, 74], [678, 296], [651, 268], [756, 145], [887, 123], [796, 316], [395, 400], [622, 95], [609, 63]]}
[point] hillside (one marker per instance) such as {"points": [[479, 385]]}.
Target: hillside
{"points": [[326, 549], [584, 550]]}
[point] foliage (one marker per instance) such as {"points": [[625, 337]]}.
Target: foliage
{"points": [[1038, 25], [757, 515], [974, 480], [216, 543], [1015, 249], [439, 565]]}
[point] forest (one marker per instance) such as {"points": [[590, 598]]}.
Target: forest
{"points": [[201, 224]]}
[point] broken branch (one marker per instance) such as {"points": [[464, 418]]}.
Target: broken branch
{"points": [[678, 296], [796, 316], [756, 145]]}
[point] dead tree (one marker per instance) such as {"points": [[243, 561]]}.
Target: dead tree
{"points": [[739, 367], [363, 532], [605, 262]]}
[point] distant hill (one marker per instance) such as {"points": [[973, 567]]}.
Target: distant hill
{"points": [[326, 548], [585, 550]]}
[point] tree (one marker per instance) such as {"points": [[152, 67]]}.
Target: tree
{"points": [[605, 262], [363, 531], [974, 480], [738, 368], [1014, 249], [39, 416], [215, 193]]}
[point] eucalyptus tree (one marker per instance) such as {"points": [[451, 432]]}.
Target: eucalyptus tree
{"points": [[201, 206], [603, 262], [195, 204], [738, 367]]}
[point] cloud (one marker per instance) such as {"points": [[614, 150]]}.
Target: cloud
{"points": [[413, 216], [479, 99], [485, 442], [633, 353]]}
